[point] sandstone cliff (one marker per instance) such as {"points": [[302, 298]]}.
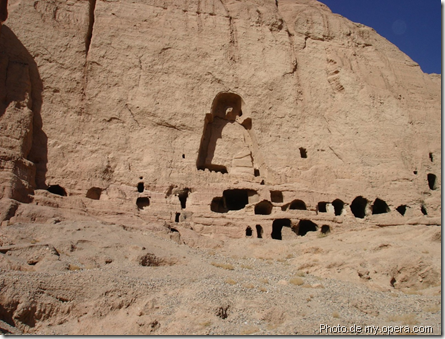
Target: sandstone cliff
{"points": [[150, 150], [173, 110]]}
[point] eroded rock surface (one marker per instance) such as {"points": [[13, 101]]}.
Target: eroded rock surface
{"points": [[210, 120], [210, 96]]}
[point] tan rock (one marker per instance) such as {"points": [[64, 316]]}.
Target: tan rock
{"points": [[150, 126]]}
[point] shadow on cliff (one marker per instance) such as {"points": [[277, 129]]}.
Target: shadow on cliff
{"points": [[17, 61]]}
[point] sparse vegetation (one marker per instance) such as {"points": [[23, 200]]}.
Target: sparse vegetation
{"points": [[271, 327], [405, 319], [248, 286], [432, 309], [411, 291], [247, 267], [150, 259], [72, 267], [249, 330], [225, 266], [296, 281], [230, 281], [206, 323], [335, 315]]}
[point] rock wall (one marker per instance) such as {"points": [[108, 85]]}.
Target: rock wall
{"points": [[123, 108]]}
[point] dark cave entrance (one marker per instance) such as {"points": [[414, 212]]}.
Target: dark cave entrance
{"points": [[58, 190], [305, 226], [338, 206], [322, 207], [183, 195], [432, 181], [94, 193], [401, 209], [263, 208], [140, 187], [276, 196], [259, 231], [297, 205], [277, 226], [379, 207], [325, 229], [142, 202], [217, 205], [232, 200], [358, 207], [236, 199], [303, 153]]}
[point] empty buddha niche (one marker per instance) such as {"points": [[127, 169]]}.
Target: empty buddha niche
{"points": [[225, 142]]}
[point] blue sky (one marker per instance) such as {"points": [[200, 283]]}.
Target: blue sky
{"points": [[412, 25]]}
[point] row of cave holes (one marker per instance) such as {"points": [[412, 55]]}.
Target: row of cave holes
{"points": [[141, 202], [182, 195], [301, 229], [237, 199], [358, 207], [94, 193], [276, 196]]}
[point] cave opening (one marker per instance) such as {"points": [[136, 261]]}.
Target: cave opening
{"points": [[263, 208], [57, 189], [303, 152], [277, 226], [432, 181], [183, 195], [259, 231], [325, 229], [423, 210], [217, 205], [401, 209], [379, 207], [276, 196], [248, 231], [305, 226], [142, 202], [177, 215], [94, 193], [338, 206], [321, 207], [297, 205], [140, 187], [358, 207], [236, 199]]}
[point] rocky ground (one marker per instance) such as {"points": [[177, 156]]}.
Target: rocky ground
{"points": [[97, 277]]}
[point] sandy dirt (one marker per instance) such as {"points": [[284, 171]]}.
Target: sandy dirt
{"points": [[96, 277]]}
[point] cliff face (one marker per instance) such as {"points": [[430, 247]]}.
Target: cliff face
{"points": [[201, 96]]}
